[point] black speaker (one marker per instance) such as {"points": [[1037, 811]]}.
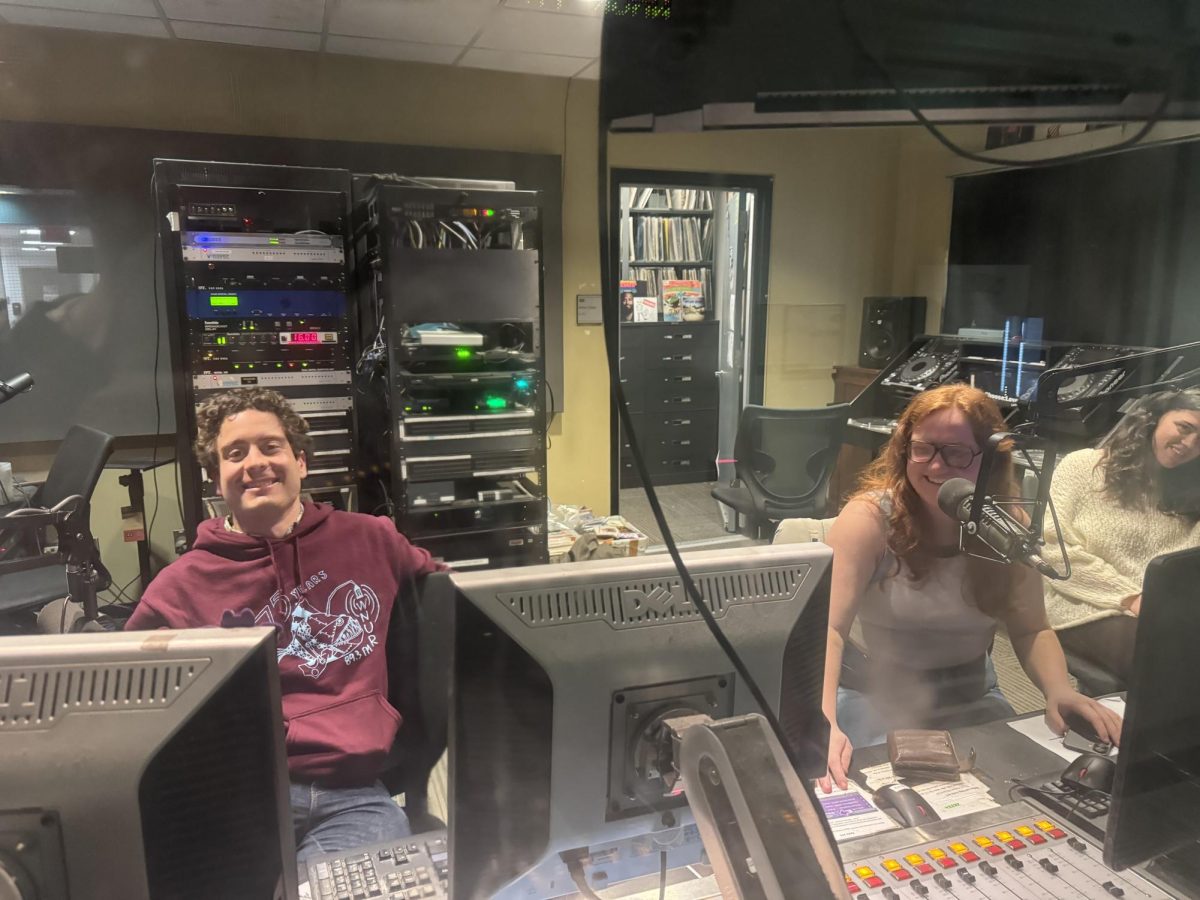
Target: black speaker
{"points": [[888, 324]]}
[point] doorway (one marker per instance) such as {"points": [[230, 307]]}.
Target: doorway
{"points": [[691, 272]]}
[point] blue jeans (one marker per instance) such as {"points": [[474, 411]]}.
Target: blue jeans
{"points": [[330, 820], [865, 726]]}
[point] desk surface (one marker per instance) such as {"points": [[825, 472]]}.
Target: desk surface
{"points": [[1003, 755]]}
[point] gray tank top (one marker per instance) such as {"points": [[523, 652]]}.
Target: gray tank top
{"points": [[930, 624]]}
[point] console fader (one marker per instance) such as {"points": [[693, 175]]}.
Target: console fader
{"points": [[1011, 853]]}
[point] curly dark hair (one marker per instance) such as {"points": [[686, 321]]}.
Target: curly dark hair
{"points": [[211, 414], [1132, 476], [888, 474]]}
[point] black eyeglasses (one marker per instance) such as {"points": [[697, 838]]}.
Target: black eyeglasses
{"points": [[956, 456]]}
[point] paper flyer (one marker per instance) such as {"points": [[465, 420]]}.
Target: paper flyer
{"points": [[853, 814]]}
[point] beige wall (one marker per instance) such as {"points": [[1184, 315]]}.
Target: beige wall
{"points": [[856, 211]]}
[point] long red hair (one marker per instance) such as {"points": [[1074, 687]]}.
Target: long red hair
{"points": [[888, 475]]}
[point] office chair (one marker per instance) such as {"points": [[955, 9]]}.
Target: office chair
{"points": [[76, 470], [419, 644], [785, 458]]}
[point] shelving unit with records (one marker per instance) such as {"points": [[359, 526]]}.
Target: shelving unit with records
{"points": [[669, 346], [451, 294], [667, 234]]}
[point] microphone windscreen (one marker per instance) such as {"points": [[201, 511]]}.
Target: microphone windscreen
{"points": [[952, 494]]}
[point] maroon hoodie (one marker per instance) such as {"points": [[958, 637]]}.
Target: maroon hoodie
{"points": [[328, 589]]}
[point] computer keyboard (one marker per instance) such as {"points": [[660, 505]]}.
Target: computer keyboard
{"points": [[1087, 812], [415, 868]]}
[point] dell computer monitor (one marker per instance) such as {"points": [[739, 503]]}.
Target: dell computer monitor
{"points": [[1156, 795], [144, 764], [560, 674]]}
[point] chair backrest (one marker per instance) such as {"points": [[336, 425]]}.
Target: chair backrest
{"points": [[785, 457], [77, 466], [419, 645]]}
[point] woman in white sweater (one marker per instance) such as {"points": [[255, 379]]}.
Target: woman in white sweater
{"points": [[1119, 506]]}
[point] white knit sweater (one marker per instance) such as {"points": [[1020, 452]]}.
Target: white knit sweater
{"points": [[1108, 545]]}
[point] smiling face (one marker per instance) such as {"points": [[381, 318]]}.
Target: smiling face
{"points": [[946, 426], [259, 473], [1176, 438]]}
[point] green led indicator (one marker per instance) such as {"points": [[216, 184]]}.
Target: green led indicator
{"points": [[489, 213], [222, 340], [279, 365], [272, 240], [496, 403], [223, 300], [236, 366], [462, 352]]}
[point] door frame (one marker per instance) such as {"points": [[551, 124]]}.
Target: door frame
{"points": [[758, 294]]}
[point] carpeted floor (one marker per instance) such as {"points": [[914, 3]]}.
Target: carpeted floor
{"points": [[692, 513]]}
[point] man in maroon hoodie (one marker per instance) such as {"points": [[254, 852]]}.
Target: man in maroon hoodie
{"points": [[325, 580]]}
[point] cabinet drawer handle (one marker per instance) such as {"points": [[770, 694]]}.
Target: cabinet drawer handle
{"points": [[682, 357]]}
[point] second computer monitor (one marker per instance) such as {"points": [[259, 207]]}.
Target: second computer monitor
{"points": [[562, 674], [1156, 795]]}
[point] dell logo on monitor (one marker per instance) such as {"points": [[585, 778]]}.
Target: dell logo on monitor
{"points": [[661, 600]]}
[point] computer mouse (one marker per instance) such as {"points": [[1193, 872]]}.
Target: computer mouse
{"points": [[1091, 771], [910, 806]]}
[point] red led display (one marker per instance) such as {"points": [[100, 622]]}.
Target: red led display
{"points": [[306, 337]]}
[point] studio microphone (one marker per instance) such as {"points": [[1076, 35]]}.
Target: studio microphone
{"points": [[996, 530], [20, 384]]}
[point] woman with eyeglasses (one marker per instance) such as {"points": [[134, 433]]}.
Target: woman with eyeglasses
{"points": [[928, 611], [1134, 498]]}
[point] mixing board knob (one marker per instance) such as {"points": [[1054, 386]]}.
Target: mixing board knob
{"points": [[1014, 862], [1113, 889], [890, 894], [1077, 844], [1050, 867], [987, 868], [966, 876], [941, 880], [919, 889]]}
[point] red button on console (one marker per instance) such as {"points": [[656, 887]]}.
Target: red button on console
{"points": [[1036, 839], [926, 868], [947, 863], [853, 888], [970, 856], [873, 882], [1056, 833], [901, 874], [1014, 844], [995, 851]]}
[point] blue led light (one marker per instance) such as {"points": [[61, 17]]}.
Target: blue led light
{"points": [[522, 384]]}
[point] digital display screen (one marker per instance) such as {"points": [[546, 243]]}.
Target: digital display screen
{"points": [[306, 337], [223, 300]]}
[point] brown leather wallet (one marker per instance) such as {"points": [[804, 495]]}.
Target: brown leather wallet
{"points": [[924, 755]]}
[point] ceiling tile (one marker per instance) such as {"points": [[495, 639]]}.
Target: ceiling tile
{"points": [[423, 21], [405, 50], [255, 37], [592, 71], [83, 21], [530, 63], [122, 7], [533, 32], [290, 15], [569, 7]]}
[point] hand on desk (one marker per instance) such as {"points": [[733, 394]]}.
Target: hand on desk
{"points": [[1061, 707], [840, 751]]}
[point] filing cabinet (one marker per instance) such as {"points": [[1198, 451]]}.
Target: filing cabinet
{"points": [[668, 370]]}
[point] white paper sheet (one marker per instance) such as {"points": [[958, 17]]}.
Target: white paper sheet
{"points": [[1036, 729], [853, 814], [947, 798]]}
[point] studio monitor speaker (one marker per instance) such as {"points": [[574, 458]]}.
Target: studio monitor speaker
{"points": [[888, 325]]}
